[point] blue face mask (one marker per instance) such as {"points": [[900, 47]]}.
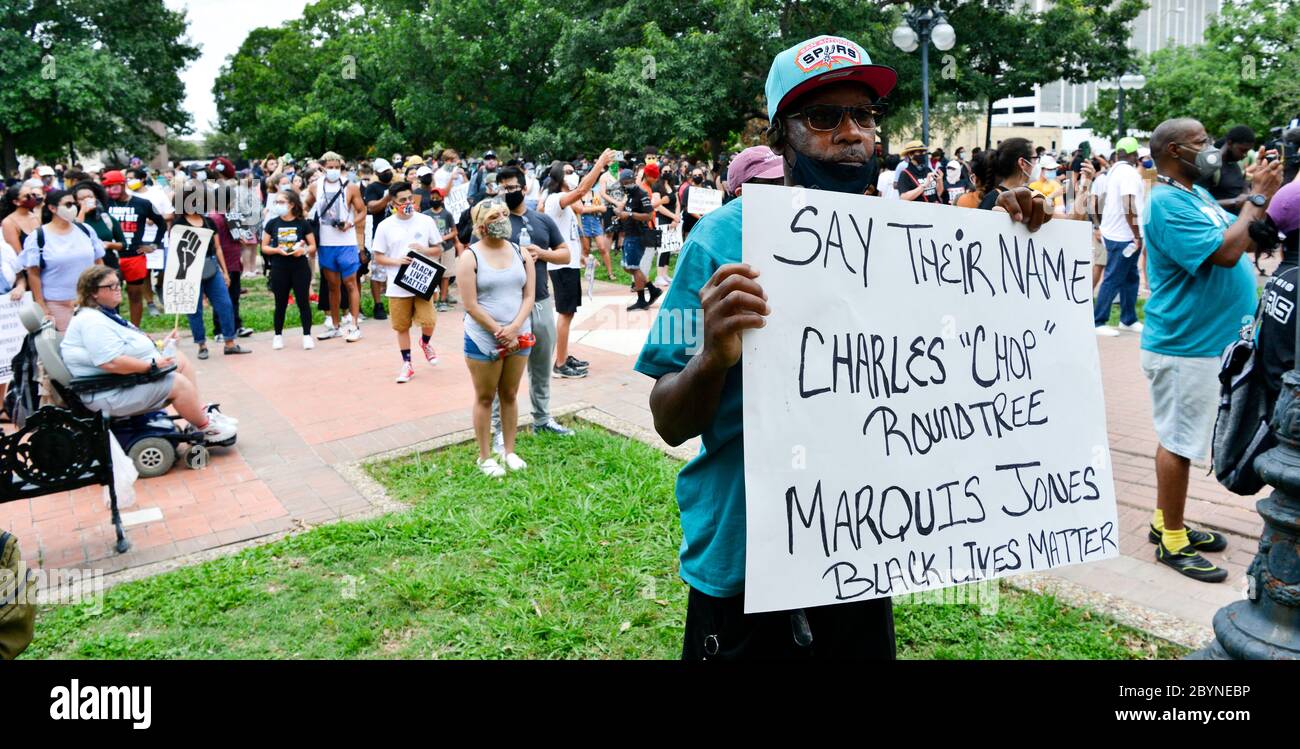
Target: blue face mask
{"points": [[1147, 163], [832, 176]]}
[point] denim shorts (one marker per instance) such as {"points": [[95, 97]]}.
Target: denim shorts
{"points": [[472, 351], [591, 226], [633, 249]]}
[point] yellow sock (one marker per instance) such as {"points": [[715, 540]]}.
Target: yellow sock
{"points": [[1158, 521], [1174, 541]]}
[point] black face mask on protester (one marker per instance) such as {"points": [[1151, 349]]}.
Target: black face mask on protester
{"points": [[514, 199], [436, 205], [832, 176], [697, 180], [385, 177]]}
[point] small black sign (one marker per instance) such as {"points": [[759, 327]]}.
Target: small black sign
{"points": [[421, 277]]}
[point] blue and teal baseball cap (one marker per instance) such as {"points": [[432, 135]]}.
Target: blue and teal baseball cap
{"points": [[819, 61]]}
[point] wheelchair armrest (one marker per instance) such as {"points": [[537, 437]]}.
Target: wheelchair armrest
{"points": [[100, 383]]}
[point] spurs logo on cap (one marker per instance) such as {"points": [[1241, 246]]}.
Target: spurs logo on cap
{"points": [[827, 51]]}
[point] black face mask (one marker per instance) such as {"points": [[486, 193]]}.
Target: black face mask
{"points": [[833, 176], [514, 199], [697, 180], [385, 177], [426, 180], [436, 205]]}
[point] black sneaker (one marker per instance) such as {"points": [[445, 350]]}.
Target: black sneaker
{"points": [[577, 363], [1200, 540], [244, 332], [639, 304], [380, 312], [567, 372], [1191, 564], [655, 293]]}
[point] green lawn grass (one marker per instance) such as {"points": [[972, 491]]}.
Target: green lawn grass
{"points": [[576, 557]]}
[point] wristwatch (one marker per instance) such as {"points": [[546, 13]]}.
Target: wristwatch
{"points": [[1257, 199]]}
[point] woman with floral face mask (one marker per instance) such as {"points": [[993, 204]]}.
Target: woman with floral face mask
{"points": [[497, 287], [56, 254]]}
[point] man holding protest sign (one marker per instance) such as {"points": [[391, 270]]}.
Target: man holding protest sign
{"points": [[406, 232], [822, 98]]}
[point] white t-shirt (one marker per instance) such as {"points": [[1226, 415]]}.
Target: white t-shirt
{"points": [[1122, 180], [162, 205], [567, 220], [885, 184], [329, 236], [393, 237]]}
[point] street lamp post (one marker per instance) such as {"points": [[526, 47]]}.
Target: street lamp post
{"points": [[1131, 82], [921, 25]]}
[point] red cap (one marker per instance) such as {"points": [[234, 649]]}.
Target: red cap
{"points": [[114, 177], [652, 171]]}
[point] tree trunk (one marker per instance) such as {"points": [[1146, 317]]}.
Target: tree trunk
{"points": [[8, 153]]}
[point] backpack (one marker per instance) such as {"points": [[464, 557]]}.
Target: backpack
{"points": [[17, 590], [1241, 428], [40, 240], [24, 395]]}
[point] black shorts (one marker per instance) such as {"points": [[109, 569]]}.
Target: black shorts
{"points": [[719, 629], [566, 287]]}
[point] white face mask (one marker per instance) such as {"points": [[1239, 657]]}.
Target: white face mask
{"points": [[68, 212], [571, 181], [279, 209], [1035, 173], [200, 176], [332, 175]]}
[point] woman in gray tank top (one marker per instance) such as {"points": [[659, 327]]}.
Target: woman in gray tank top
{"points": [[498, 304]]}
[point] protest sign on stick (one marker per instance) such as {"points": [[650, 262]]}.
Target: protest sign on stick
{"points": [[187, 248], [924, 406], [458, 201]]}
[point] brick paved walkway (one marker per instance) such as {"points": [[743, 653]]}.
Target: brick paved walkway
{"points": [[303, 414]]}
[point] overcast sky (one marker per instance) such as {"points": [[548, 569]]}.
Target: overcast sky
{"points": [[218, 27]]}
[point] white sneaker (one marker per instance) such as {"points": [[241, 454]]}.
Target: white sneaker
{"points": [[354, 334], [214, 412], [330, 332], [1134, 328], [219, 430], [515, 463], [491, 468], [499, 444], [663, 282], [277, 343], [346, 320], [329, 323], [307, 343], [406, 372], [1106, 331]]}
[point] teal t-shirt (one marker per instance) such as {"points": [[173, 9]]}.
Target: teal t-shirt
{"points": [[711, 488], [1196, 308]]}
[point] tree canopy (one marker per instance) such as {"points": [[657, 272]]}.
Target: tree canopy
{"points": [[1247, 72], [555, 78], [89, 74]]}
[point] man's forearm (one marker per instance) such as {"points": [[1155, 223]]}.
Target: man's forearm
{"points": [[685, 403]]}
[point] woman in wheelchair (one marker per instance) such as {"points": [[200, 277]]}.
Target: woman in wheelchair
{"points": [[100, 342]]}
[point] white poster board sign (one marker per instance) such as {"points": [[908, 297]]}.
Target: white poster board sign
{"points": [[154, 260], [186, 251], [458, 201], [703, 200], [12, 334], [672, 239], [924, 406]]}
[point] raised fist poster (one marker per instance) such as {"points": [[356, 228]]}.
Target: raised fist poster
{"points": [[923, 408], [186, 251]]}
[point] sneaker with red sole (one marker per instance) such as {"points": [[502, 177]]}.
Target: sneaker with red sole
{"points": [[406, 372]]}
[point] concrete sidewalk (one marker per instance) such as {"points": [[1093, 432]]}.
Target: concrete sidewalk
{"points": [[304, 415]]}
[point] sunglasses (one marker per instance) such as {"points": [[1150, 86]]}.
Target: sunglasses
{"points": [[826, 117], [511, 188]]}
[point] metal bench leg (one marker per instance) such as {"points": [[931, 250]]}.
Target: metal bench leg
{"points": [[122, 544]]}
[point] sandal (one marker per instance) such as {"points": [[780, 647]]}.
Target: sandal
{"points": [[203, 352], [236, 349]]}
